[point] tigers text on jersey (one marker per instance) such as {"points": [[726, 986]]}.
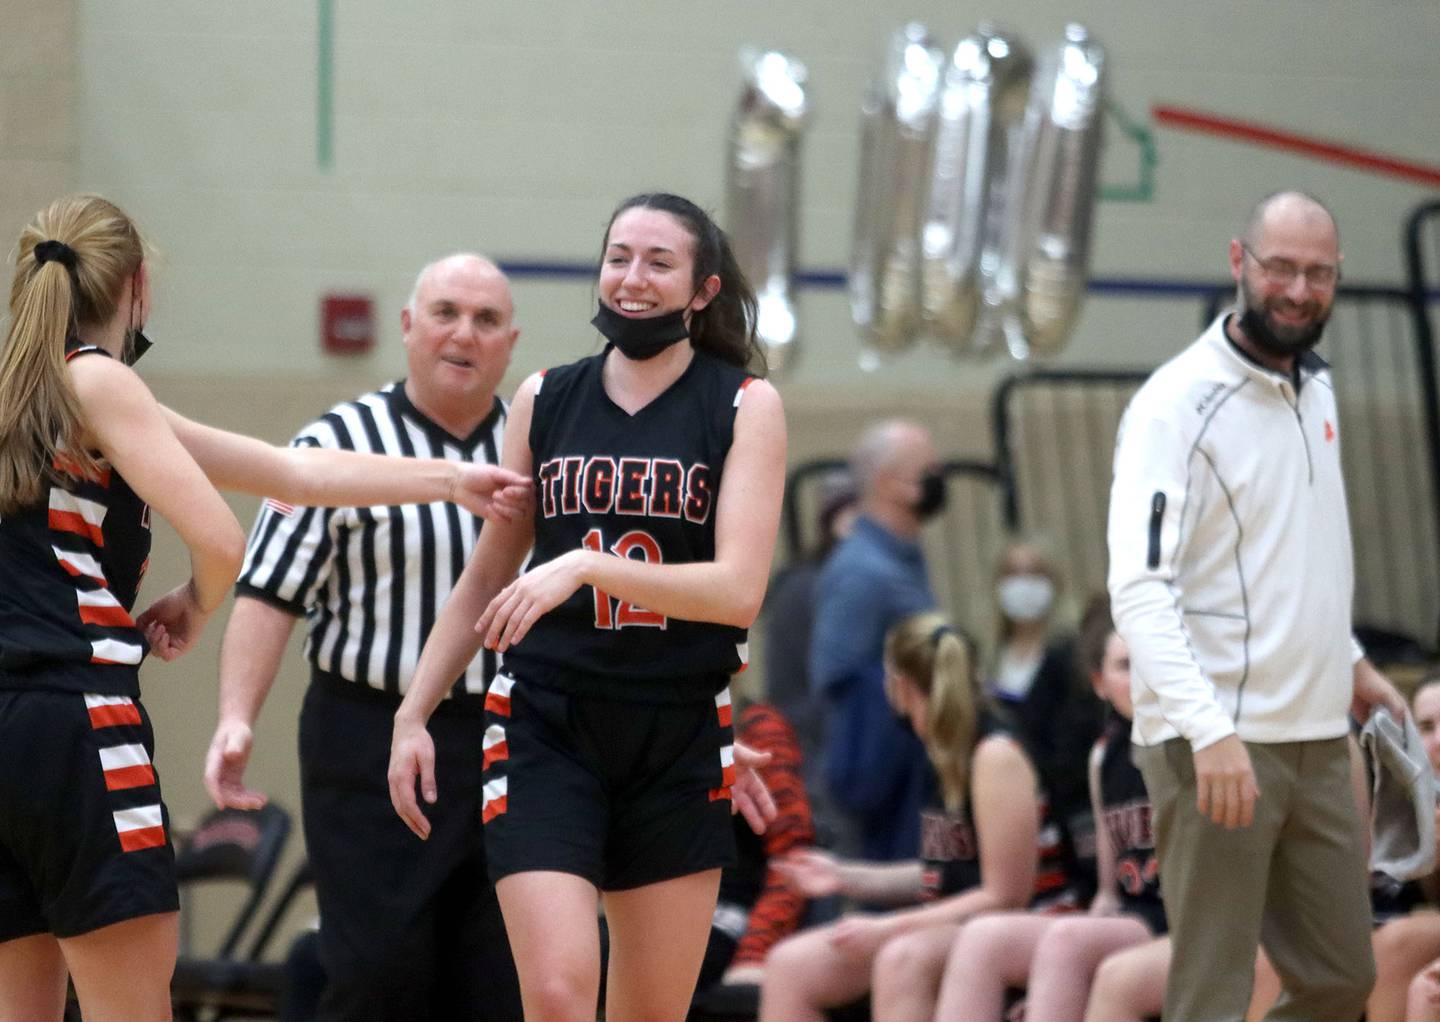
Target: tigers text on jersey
{"points": [[640, 486], [70, 568], [371, 580]]}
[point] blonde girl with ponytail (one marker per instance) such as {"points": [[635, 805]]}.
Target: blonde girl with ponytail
{"points": [[978, 853], [87, 455]]}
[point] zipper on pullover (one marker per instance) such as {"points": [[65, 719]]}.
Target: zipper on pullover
{"points": [[1300, 424], [1157, 516]]}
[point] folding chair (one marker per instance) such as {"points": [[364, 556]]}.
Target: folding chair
{"points": [[235, 846]]}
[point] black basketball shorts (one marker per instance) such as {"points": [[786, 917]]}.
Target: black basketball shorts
{"points": [[620, 793], [84, 835]]}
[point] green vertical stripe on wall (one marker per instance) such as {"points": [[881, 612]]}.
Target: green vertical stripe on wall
{"points": [[325, 87]]}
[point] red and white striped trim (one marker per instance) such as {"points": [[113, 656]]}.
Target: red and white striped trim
{"points": [[111, 711], [742, 650], [281, 508], [741, 392], [496, 797], [724, 709], [113, 651], [494, 746], [69, 513], [99, 607], [63, 462], [540, 380], [142, 827], [126, 766], [80, 565], [724, 713], [497, 698]]}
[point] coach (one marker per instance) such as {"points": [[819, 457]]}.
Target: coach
{"points": [[1231, 578]]}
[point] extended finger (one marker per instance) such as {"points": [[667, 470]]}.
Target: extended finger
{"points": [[1249, 793], [498, 613], [747, 807], [510, 602], [532, 614], [1232, 803], [402, 797], [514, 624]]}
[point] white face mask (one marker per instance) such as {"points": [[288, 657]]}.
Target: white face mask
{"points": [[1025, 597]]}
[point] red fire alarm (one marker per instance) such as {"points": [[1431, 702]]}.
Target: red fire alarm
{"points": [[347, 324]]}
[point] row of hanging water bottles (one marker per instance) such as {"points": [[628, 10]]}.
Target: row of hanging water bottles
{"points": [[977, 185]]}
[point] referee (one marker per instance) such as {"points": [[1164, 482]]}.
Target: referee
{"points": [[409, 930]]}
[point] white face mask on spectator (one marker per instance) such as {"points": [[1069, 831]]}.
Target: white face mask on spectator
{"points": [[1025, 597]]}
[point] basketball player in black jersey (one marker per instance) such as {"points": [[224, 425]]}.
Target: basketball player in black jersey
{"points": [[659, 465], [87, 877]]}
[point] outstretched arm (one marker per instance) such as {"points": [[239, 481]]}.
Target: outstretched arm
{"points": [[124, 421], [324, 477]]}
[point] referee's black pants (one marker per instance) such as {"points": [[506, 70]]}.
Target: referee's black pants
{"points": [[410, 930]]}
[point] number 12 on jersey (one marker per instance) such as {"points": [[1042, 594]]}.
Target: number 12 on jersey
{"points": [[626, 615]]}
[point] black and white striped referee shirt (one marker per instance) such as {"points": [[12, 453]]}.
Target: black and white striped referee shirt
{"points": [[370, 581]]}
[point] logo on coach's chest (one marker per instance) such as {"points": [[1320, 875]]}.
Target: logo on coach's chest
{"points": [[600, 484]]}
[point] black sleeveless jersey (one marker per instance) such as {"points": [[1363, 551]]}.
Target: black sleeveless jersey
{"points": [[642, 486], [1125, 806], [70, 568]]}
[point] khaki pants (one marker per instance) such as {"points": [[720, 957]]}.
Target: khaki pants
{"points": [[1294, 881]]}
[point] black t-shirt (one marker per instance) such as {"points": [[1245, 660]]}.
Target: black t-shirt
{"points": [[641, 486], [1125, 805], [70, 569]]}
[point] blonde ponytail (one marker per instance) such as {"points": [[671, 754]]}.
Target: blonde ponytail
{"points": [[40, 416], [941, 662]]}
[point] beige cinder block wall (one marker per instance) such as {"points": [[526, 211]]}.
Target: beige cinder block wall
{"points": [[39, 91]]}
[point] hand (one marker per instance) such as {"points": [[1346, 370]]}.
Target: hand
{"points": [[412, 755], [520, 604], [743, 975], [492, 492], [1374, 689], [172, 623], [1225, 788], [749, 795], [859, 936], [1429, 982], [225, 764], [811, 872]]}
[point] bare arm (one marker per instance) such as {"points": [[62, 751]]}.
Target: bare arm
{"points": [[125, 422], [255, 640], [1106, 893], [1374, 689], [325, 477], [727, 590], [1004, 793], [818, 874], [453, 641]]}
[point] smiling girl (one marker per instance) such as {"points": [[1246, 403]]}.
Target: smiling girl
{"points": [[659, 465]]}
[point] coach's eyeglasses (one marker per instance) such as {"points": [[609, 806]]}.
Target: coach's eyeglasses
{"points": [[1282, 272]]}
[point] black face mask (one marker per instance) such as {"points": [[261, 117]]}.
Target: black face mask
{"points": [[641, 339], [932, 495], [136, 344]]}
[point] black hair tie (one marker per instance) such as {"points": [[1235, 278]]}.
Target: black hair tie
{"points": [[56, 252], [939, 633]]}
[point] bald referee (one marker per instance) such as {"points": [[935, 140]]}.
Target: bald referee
{"points": [[410, 930]]}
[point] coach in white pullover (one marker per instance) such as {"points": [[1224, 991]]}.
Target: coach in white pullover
{"points": [[1231, 580]]}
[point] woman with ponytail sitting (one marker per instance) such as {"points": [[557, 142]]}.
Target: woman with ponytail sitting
{"points": [[978, 852], [87, 870]]}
